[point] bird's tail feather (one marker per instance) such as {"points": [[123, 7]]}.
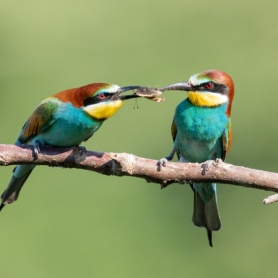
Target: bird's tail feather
{"points": [[206, 215], [12, 191], [212, 215]]}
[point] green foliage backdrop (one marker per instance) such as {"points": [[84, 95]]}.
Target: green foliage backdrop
{"points": [[73, 223]]}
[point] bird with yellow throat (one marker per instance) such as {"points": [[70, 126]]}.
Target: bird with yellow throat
{"points": [[65, 119], [201, 131]]}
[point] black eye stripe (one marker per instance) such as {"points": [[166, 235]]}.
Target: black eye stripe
{"points": [[216, 88], [105, 94], [89, 101], [95, 99]]}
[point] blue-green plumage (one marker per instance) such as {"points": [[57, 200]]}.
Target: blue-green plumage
{"points": [[201, 131], [66, 125], [198, 138], [70, 126], [65, 120], [59, 124]]}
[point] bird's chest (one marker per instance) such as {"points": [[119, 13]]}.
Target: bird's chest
{"points": [[201, 123], [199, 131], [71, 127]]}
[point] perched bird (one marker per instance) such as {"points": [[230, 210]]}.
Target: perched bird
{"points": [[201, 131], [65, 119]]}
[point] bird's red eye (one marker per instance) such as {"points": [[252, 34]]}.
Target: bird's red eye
{"points": [[209, 85], [101, 96]]}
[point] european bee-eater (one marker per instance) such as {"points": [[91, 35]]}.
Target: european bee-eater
{"points": [[65, 119], [201, 131]]}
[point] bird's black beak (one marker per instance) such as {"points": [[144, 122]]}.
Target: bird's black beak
{"points": [[125, 89], [181, 86]]}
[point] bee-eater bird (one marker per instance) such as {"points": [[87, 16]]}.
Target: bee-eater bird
{"points": [[65, 119], [201, 131]]}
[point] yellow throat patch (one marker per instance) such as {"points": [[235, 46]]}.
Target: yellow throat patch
{"points": [[104, 110], [207, 99]]}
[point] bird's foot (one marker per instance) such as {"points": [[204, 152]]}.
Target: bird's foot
{"points": [[205, 167], [79, 153], [163, 161], [36, 149], [218, 161], [81, 150]]}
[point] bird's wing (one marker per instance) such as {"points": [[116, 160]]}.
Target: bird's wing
{"points": [[41, 119], [226, 139], [174, 131]]}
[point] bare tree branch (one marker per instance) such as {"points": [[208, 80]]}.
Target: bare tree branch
{"points": [[271, 199], [123, 164]]}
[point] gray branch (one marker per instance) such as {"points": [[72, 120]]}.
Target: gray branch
{"points": [[123, 164]]}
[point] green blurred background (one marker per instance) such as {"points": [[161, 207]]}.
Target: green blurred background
{"points": [[74, 223]]}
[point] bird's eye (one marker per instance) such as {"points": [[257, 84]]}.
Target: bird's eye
{"points": [[101, 96], [209, 85]]}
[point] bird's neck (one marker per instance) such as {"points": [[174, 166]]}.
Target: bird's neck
{"points": [[207, 99]]}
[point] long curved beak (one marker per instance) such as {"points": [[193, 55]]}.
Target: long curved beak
{"points": [[181, 86], [125, 89], [128, 88]]}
